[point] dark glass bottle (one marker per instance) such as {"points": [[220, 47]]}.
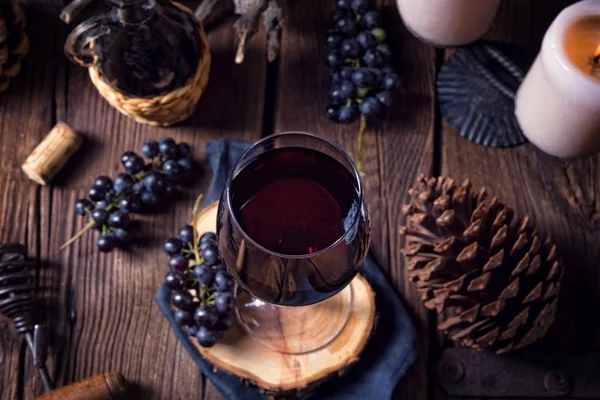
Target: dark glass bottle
{"points": [[141, 48]]}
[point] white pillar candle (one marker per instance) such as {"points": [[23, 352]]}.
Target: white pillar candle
{"points": [[448, 22], [558, 103]]}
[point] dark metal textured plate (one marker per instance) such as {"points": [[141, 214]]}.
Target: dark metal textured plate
{"points": [[476, 89], [528, 375]]}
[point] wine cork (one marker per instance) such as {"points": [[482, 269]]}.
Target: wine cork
{"points": [[108, 386], [52, 153]]}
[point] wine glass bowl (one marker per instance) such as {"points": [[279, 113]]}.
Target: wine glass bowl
{"points": [[293, 230]]}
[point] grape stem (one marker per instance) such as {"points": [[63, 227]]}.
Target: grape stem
{"points": [[79, 234], [363, 128], [195, 245]]}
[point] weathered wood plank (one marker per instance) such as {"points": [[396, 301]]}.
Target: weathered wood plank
{"points": [[394, 151], [25, 117], [18, 202], [104, 315], [561, 196]]}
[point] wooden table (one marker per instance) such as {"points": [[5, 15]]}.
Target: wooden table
{"points": [[100, 307]]}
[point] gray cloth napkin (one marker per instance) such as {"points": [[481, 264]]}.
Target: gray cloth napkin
{"points": [[388, 354]]}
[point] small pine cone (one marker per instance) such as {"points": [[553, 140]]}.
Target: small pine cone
{"points": [[14, 44], [493, 283]]}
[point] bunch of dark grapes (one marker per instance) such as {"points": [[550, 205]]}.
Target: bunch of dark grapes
{"points": [[202, 292], [362, 80], [141, 187]]}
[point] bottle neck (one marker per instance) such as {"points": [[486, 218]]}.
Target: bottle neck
{"points": [[133, 11]]}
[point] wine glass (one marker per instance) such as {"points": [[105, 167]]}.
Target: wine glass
{"points": [[293, 230]]}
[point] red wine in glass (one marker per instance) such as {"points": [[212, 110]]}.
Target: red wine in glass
{"points": [[293, 227]]}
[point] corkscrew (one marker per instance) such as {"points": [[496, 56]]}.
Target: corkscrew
{"points": [[18, 303]]}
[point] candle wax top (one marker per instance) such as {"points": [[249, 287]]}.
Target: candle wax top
{"points": [[581, 44]]}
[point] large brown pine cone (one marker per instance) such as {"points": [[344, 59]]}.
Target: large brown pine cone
{"points": [[14, 43], [494, 283]]}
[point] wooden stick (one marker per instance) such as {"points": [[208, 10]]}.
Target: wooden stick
{"points": [[107, 386]]}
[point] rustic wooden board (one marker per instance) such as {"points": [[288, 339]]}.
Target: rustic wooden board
{"points": [[104, 314], [561, 196], [394, 152]]}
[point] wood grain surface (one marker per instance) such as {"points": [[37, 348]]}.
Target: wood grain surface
{"points": [[100, 307]]}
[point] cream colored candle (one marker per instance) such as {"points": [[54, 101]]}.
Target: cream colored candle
{"points": [[558, 104], [448, 22]]}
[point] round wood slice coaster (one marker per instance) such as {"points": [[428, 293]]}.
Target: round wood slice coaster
{"points": [[238, 354]]}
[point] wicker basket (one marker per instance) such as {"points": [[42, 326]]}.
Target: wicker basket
{"points": [[166, 109]]}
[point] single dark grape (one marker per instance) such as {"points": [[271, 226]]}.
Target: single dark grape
{"points": [[183, 318], [385, 50], [103, 183], [351, 49], [391, 81], [107, 242], [192, 330], [343, 4], [334, 41], [186, 234], [336, 96], [173, 246], [171, 168], [123, 235], [224, 302], [134, 165], [223, 281], [179, 261], [334, 59], [123, 183], [362, 77], [332, 112], [208, 237], [183, 300], [346, 25], [370, 107], [385, 98], [204, 274], [374, 58], [186, 164], [347, 90], [366, 39], [168, 148], [210, 256], [224, 323], [336, 79], [119, 219], [359, 6], [96, 194], [175, 280], [126, 156], [207, 338], [148, 198], [209, 244], [206, 315], [184, 150], [130, 204], [150, 148], [346, 72], [155, 182], [101, 205], [377, 77], [348, 114], [371, 19], [82, 206], [100, 217]]}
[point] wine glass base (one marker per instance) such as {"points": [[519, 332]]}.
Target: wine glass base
{"points": [[294, 330]]}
